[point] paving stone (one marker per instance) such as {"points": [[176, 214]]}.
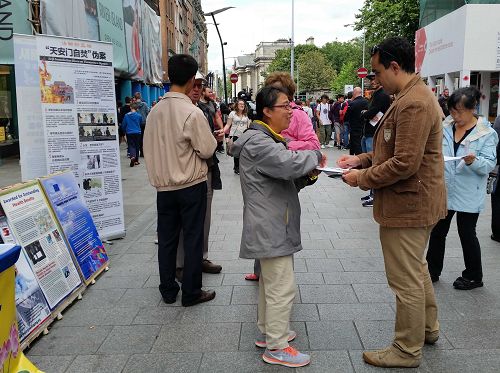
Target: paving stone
{"points": [[348, 253], [250, 295], [375, 334], [98, 363], [158, 315], [111, 281], [130, 339], [227, 313], [250, 332], [236, 266], [52, 364], [308, 278], [237, 279], [323, 265], [310, 254], [80, 316], [328, 361], [373, 293], [164, 363], [332, 335], [472, 334], [195, 337], [355, 278], [66, 340], [356, 311], [316, 244], [362, 264], [100, 298], [140, 298], [240, 361], [452, 361], [304, 312], [327, 294], [355, 243]]}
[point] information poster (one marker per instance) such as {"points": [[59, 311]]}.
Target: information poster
{"points": [[35, 228], [69, 206], [77, 92], [31, 305]]}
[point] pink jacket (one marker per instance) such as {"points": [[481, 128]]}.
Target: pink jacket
{"points": [[300, 134]]}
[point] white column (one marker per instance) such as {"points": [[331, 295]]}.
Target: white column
{"points": [[464, 82], [484, 103], [448, 83], [431, 82]]}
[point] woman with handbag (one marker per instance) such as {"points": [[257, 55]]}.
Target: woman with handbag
{"points": [[237, 123], [471, 138]]}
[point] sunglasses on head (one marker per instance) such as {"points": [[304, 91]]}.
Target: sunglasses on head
{"points": [[376, 49]]}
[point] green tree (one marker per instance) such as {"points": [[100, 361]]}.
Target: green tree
{"points": [[281, 61], [314, 71], [347, 75], [385, 18], [338, 53]]}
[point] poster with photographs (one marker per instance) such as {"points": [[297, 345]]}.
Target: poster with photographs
{"points": [[77, 91], [69, 206], [31, 305], [33, 224]]}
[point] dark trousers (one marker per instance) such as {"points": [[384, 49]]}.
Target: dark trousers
{"points": [[143, 127], [236, 159], [355, 143], [495, 213], [466, 223], [181, 209], [134, 144]]}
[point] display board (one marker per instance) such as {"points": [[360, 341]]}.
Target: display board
{"points": [[33, 224], [68, 204]]}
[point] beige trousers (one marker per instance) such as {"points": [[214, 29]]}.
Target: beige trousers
{"points": [[408, 277], [206, 228], [277, 291]]}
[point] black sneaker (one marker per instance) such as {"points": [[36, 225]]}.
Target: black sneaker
{"points": [[462, 283], [368, 203], [365, 198]]}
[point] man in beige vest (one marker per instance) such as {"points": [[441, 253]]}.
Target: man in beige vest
{"points": [[406, 171], [177, 142]]}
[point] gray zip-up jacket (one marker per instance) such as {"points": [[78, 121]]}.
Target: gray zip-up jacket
{"points": [[270, 176]]}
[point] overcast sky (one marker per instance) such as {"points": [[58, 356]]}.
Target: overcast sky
{"points": [[253, 21]]}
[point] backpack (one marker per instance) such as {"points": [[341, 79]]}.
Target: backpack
{"points": [[343, 110]]}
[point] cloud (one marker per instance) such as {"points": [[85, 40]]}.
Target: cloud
{"points": [[254, 21]]}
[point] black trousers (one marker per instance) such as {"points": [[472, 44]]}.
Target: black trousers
{"points": [[495, 212], [466, 223], [355, 143], [181, 209], [236, 160]]}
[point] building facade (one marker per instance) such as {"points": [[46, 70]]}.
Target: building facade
{"points": [[251, 68], [459, 46]]}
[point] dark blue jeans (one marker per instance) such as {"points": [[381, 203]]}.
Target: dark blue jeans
{"points": [[134, 145]]}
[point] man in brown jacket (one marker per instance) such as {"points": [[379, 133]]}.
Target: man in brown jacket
{"points": [[406, 171], [177, 142]]}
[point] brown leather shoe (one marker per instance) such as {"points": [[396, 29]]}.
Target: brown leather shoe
{"points": [[388, 358], [431, 337], [208, 267], [205, 296]]}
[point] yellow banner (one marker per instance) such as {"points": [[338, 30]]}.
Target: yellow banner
{"points": [[11, 357]]}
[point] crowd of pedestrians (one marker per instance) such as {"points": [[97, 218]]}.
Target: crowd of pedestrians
{"points": [[420, 170]]}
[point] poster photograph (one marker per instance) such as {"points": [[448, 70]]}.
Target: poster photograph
{"points": [[34, 226], [77, 224]]}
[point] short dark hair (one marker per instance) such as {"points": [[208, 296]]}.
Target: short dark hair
{"points": [[396, 49], [468, 97], [324, 96], [340, 95], [127, 100], [181, 68], [349, 95], [266, 97]]}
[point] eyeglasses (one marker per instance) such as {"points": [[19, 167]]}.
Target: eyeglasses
{"points": [[287, 106], [376, 49], [198, 85]]}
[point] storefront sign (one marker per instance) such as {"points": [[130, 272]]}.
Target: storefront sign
{"points": [[13, 19]]}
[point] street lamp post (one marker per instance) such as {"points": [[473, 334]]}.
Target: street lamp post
{"points": [[212, 14], [363, 62]]}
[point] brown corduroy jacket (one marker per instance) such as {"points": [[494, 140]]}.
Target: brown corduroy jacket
{"points": [[406, 167]]}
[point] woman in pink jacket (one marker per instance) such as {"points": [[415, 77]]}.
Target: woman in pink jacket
{"points": [[299, 135]]}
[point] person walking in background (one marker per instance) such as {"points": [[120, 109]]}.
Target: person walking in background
{"points": [[345, 124], [337, 125], [406, 170], [131, 126], [271, 176], [356, 122], [443, 102], [237, 123], [495, 194], [177, 143], [379, 103], [471, 138], [324, 122], [143, 109], [123, 111]]}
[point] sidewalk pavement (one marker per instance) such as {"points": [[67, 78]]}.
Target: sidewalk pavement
{"points": [[343, 305]]}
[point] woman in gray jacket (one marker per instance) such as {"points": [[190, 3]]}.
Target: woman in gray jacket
{"points": [[271, 176]]}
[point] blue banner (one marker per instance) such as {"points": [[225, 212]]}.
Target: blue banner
{"points": [[69, 206]]}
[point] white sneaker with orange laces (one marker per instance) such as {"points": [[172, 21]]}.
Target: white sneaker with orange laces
{"points": [[288, 357]]}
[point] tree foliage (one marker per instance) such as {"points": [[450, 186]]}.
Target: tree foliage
{"points": [[339, 53], [347, 75], [314, 71], [384, 18], [282, 58]]}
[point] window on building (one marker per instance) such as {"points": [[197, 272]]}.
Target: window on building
{"points": [[7, 125], [431, 10]]}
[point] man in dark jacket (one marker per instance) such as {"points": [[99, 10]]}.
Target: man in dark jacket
{"points": [[356, 122], [379, 104], [443, 102]]}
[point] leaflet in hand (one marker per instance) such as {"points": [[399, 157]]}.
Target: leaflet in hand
{"points": [[448, 158], [376, 118], [337, 171]]}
